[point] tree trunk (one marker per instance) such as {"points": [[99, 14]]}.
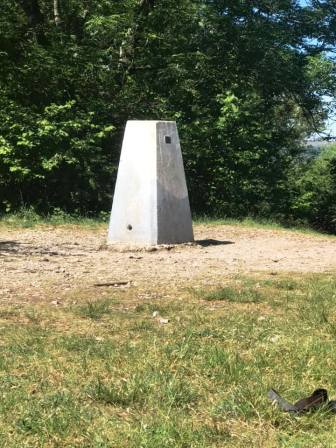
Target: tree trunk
{"points": [[127, 47], [57, 16], [35, 18]]}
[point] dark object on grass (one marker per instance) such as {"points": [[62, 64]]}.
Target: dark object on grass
{"points": [[115, 284], [281, 402], [318, 399]]}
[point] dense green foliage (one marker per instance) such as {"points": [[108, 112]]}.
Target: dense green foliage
{"points": [[315, 191], [245, 81]]}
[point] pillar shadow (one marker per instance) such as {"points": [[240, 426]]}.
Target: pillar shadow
{"points": [[211, 242]]}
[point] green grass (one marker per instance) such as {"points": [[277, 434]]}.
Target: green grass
{"points": [[95, 374], [96, 309], [230, 294], [244, 222], [258, 223], [27, 217]]}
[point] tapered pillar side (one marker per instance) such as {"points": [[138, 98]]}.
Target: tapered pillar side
{"points": [[150, 203], [134, 216]]}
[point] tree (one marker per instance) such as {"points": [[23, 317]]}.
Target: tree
{"points": [[245, 81], [314, 184]]}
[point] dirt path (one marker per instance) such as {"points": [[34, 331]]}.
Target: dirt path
{"points": [[46, 263]]}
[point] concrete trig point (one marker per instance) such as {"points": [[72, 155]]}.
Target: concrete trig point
{"points": [[150, 203]]}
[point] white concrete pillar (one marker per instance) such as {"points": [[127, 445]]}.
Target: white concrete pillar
{"points": [[150, 203]]}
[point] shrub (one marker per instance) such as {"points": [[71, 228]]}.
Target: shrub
{"points": [[315, 200]]}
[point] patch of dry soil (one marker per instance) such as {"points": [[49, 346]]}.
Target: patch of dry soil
{"points": [[46, 263]]}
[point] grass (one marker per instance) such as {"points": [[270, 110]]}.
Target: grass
{"points": [[244, 222], [96, 309], [106, 373], [230, 294], [27, 217], [259, 223]]}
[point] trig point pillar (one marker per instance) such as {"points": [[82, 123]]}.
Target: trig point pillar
{"points": [[150, 203]]}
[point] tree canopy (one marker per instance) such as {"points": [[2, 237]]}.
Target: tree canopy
{"points": [[246, 82]]}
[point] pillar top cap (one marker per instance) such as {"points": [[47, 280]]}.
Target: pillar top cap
{"points": [[151, 121]]}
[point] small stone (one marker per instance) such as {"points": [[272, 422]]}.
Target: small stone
{"points": [[56, 302], [151, 249], [275, 338], [163, 321]]}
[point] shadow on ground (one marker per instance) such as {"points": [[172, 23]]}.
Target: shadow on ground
{"points": [[8, 247], [211, 242]]}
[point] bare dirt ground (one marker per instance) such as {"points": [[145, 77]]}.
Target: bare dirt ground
{"points": [[52, 263]]}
